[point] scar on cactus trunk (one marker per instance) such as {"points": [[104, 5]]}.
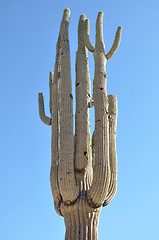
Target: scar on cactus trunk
{"points": [[83, 171]]}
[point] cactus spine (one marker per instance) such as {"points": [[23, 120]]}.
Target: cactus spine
{"points": [[83, 169]]}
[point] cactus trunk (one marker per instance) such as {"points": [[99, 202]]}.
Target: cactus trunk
{"points": [[83, 171], [81, 223]]}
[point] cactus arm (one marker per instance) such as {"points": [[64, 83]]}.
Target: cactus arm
{"points": [[83, 155], [101, 171], [54, 108], [112, 148], [99, 32], [115, 43], [43, 117], [66, 176], [81, 103], [86, 37]]}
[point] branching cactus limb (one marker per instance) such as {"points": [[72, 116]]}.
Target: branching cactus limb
{"points": [[101, 171], [112, 111], [43, 117], [115, 44], [83, 171], [62, 176], [66, 176], [102, 186], [100, 28], [83, 152], [55, 151], [86, 36]]}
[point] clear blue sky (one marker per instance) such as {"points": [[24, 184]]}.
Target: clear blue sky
{"points": [[28, 35]]}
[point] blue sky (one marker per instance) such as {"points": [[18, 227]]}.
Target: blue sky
{"points": [[29, 31]]}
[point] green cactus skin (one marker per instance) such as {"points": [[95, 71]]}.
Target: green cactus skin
{"points": [[83, 171]]}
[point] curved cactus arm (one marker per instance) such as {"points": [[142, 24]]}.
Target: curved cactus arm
{"points": [[112, 148], [86, 37], [115, 43], [83, 154], [66, 176], [43, 117], [101, 171]]}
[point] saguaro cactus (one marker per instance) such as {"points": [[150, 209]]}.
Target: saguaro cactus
{"points": [[83, 168]]}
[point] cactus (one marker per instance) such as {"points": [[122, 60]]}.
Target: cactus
{"points": [[83, 168]]}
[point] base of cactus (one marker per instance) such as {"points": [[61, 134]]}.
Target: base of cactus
{"points": [[81, 221]]}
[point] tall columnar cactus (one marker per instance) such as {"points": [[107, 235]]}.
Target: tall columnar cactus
{"points": [[83, 169]]}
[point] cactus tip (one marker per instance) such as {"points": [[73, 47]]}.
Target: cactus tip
{"points": [[82, 17], [119, 30], [66, 16], [100, 13], [67, 11]]}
